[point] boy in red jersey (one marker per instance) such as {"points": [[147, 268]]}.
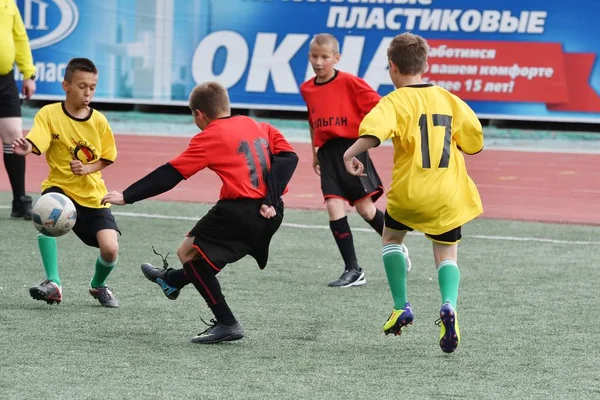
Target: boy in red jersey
{"points": [[255, 164], [337, 102]]}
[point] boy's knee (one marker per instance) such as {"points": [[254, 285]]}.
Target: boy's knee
{"points": [[390, 236], [366, 209], [186, 251], [109, 251]]}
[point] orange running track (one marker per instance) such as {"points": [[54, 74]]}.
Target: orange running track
{"points": [[516, 185]]}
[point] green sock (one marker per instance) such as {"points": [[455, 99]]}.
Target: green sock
{"points": [[49, 252], [103, 269], [449, 279], [394, 262]]}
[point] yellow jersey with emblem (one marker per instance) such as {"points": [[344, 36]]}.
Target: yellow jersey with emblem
{"points": [[65, 138], [14, 43], [430, 128]]}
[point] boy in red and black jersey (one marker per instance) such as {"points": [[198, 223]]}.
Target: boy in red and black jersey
{"points": [[337, 102], [255, 163]]}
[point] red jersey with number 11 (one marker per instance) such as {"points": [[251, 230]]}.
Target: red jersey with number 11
{"points": [[336, 107], [238, 149]]}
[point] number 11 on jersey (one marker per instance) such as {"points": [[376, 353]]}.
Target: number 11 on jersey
{"points": [[260, 150]]}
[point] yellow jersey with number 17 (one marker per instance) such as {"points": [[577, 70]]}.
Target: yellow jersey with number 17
{"points": [[65, 138], [429, 126]]}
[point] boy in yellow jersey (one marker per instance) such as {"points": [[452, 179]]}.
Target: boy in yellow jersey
{"points": [[78, 143], [431, 191]]}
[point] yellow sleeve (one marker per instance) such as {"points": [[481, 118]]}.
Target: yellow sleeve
{"points": [[109, 148], [23, 56], [40, 134], [469, 133], [381, 122]]}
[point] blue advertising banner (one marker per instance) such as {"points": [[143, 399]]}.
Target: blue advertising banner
{"points": [[514, 60]]}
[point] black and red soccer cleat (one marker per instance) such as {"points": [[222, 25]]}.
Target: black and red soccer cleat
{"points": [[47, 291]]}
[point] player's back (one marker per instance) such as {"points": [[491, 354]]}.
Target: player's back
{"points": [[431, 190], [239, 150]]}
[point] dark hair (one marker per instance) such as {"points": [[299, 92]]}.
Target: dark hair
{"points": [[211, 98], [79, 64], [409, 53]]}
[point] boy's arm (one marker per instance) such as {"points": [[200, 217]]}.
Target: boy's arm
{"points": [[107, 157], [469, 133], [23, 56], [165, 177], [378, 125], [38, 139], [162, 179], [283, 164], [109, 147], [312, 141], [79, 168]]}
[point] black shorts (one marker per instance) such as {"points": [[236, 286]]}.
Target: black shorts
{"points": [[233, 229], [450, 237], [10, 102], [89, 220], [337, 182]]}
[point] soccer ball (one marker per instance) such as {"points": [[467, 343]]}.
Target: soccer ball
{"points": [[54, 214]]}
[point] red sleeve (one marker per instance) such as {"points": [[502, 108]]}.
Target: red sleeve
{"points": [[366, 97], [277, 141], [193, 159], [310, 121]]}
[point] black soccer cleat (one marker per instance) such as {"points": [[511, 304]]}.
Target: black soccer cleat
{"points": [[47, 291], [157, 275], [22, 208], [218, 332], [105, 296], [350, 277]]}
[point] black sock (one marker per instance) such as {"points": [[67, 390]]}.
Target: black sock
{"points": [[343, 238], [177, 278], [15, 168], [203, 277], [377, 222]]}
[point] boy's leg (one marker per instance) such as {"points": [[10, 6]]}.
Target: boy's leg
{"points": [[96, 227], [445, 251], [50, 289], [395, 263], [202, 273], [10, 130], [105, 263], [371, 214], [353, 275]]}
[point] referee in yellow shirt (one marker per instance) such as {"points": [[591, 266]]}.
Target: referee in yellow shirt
{"points": [[14, 45]]}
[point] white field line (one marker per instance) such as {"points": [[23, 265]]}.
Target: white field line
{"points": [[324, 227]]}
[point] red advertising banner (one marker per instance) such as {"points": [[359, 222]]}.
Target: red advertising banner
{"points": [[514, 71]]}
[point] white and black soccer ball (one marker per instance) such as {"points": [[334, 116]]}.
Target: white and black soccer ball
{"points": [[54, 214]]}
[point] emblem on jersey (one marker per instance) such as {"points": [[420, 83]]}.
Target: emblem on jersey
{"points": [[84, 152]]}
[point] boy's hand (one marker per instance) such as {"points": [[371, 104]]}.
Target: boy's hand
{"points": [[354, 167], [316, 166], [267, 212], [28, 88], [21, 147], [115, 198], [78, 168]]}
